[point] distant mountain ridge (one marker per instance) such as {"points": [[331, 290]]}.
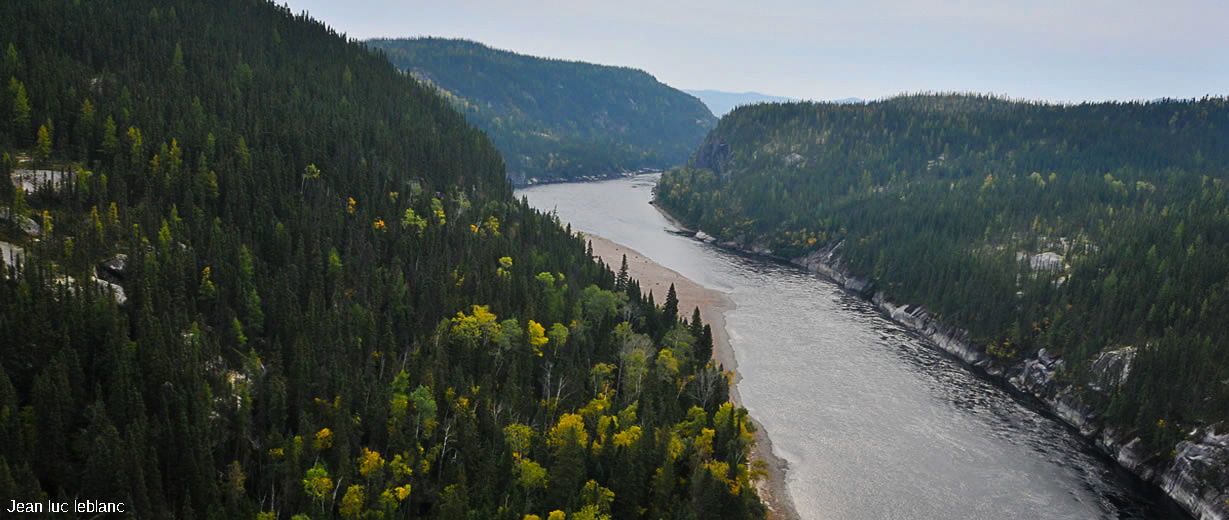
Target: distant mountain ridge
{"points": [[721, 102], [558, 120]]}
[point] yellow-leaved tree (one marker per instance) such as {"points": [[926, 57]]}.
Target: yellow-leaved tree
{"points": [[370, 463], [480, 327], [537, 337], [568, 441], [352, 503]]}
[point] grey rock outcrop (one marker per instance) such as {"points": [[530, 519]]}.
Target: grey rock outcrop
{"points": [[11, 255], [110, 275], [1109, 371], [1197, 476], [1047, 261], [26, 224], [115, 266], [115, 290], [827, 261], [713, 154], [31, 181]]}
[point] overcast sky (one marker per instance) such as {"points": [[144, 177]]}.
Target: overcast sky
{"points": [[1058, 50]]}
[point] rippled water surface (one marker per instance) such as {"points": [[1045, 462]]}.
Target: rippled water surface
{"points": [[874, 424]]}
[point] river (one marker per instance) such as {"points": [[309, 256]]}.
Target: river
{"points": [[874, 424]]}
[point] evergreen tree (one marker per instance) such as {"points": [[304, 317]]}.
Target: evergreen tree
{"points": [[621, 281], [671, 308], [695, 326], [21, 107]]}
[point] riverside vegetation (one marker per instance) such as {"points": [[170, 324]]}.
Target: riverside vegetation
{"points": [[332, 305], [555, 119], [1078, 229]]}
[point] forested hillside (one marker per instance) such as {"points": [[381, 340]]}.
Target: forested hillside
{"points": [[555, 119], [1078, 229], [274, 277]]}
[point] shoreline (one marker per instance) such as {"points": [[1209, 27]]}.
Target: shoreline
{"points": [[1176, 482], [713, 305]]}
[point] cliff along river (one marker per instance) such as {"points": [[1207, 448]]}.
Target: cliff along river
{"points": [[874, 424]]}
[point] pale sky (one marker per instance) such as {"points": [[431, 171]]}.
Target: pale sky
{"points": [[1057, 50]]}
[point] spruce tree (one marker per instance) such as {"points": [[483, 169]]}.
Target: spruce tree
{"points": [[704, 344], [21, 107], [621, 281], [671, 307]]}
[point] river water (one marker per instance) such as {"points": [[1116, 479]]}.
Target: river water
{"points": [[874, 424]]}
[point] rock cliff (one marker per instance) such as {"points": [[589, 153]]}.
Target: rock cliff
{"points": [[1196, 476]]}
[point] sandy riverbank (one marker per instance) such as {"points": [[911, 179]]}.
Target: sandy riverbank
{"points": [[713, 305]]}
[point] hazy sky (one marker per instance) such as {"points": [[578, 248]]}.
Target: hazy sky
{"points": [[1060, 50]]}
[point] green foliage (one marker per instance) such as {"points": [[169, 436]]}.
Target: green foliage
{"points": [[276, 341], [352, 503], [42, 146], [19, 106], [317, 483], [949, 201], [671, 306], [412, 221], [555, 119]]}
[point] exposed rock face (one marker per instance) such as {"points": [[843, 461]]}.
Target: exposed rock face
{"points": [[827, 262], [1110, 369], [1047, 261], [115, 266], [71, 285], [110, 274], [107, 276], [26, 224], [712, 154], [115, 290], [10, 254], [31, 181], [1197, 477], [1198, 474]]}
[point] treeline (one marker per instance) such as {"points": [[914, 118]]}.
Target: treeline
{"points": [[555, 119], [953, 201], [332, 305]]}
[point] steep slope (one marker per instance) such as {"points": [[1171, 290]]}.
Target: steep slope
{"points": [[554, 119], [1081, 248], [273, 276]]}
